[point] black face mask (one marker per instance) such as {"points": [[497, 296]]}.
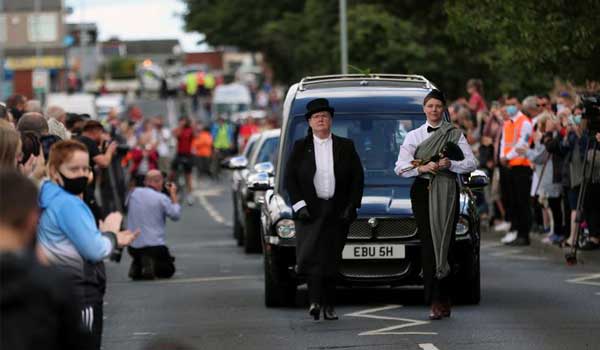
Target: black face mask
{"points": [[16, 114], [74, 186]]}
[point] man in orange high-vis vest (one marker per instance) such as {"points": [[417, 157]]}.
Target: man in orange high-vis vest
{"points": [[516, 133]]}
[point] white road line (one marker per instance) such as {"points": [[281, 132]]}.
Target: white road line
{"points": [[428, 346], [143, 334], [586, 280], [206, 279], [389, 330], [214, 214]]}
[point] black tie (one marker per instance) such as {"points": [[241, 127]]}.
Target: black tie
{"points": [[430, 129]]}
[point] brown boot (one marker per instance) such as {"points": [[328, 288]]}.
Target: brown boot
{"points": [[436, 311]]}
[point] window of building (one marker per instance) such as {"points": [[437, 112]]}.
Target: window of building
{"points": [[42, 27]]}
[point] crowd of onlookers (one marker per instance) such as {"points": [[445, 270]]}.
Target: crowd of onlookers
{"points": [[66, 181], [534, 150]]}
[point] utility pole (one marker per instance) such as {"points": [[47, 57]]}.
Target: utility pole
{"points": [[343, 37]]}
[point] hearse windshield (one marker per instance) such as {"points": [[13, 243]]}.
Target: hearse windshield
{"points": [[377, 138]]}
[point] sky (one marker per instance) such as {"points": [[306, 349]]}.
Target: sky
{"points": [[136, 19]]}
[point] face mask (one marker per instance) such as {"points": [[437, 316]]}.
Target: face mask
{"points": [[16, 113], [511, 110], [74, 186], [559, 107], [577, 119]]}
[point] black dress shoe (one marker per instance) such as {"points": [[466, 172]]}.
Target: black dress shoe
{"points": [[519, 242], [329, 313], [315, 311]]}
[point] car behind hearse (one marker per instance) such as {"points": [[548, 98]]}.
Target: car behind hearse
{"points": [[376, 111], [259, 155]]}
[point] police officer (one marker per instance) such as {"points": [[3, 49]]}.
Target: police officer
{"points": [[324, 178]]}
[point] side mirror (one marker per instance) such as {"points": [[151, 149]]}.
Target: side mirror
{"points": [[260, 182], [265, 167], [478, 179], [235, 163]]}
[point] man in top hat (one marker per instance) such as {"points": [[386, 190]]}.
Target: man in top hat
{"points": [[324, 178]]}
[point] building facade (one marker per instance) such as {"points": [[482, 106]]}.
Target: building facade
{"points": [[32, 36]]}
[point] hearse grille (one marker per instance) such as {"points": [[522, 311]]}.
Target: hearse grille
{"points": [[382, 228]]}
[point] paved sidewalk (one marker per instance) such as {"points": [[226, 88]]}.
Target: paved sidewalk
{"points": [[585, 257]]}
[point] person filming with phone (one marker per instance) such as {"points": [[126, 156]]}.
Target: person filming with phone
{"points": [[149, 208]]}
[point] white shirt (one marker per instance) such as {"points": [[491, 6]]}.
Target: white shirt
{"points": [[522, 142], [324, 179], [415, 137]]}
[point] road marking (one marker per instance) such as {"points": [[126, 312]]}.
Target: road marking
{"points": [[206, 279], [214, 214], [209, 192], [586, 280], [428, 346], [389, 330], [143, 334]]}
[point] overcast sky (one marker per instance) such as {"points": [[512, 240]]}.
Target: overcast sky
{"points": [[136, 19]]}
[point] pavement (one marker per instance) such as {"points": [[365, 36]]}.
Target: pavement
{"points": [[530, 300]]}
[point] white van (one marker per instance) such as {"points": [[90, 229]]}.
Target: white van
{"points": [[74, 103], [229, 99]]}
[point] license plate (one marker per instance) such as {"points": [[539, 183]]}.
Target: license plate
{"points": [[373, 251]]}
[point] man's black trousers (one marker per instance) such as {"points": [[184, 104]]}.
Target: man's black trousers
{"points": [[158, 256], [520, 187]]}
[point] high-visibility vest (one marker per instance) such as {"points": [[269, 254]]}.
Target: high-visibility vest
{"points": [[512, 134]]}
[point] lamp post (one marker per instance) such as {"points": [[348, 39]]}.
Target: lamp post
{"points": [[343, 37]]}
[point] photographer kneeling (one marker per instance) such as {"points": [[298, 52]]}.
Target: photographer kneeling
{"points": [[148, 210]]}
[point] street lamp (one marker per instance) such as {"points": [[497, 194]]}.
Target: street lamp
{"points": [[343, 37]]}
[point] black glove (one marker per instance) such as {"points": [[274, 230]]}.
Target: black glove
{"points": [[348, 215], [303, 214]]}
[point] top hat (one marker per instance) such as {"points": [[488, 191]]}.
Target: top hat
{"points": [[317, 105]]}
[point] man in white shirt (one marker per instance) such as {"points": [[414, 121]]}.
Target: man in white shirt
{"points": [[435, 190], [324, 178]]}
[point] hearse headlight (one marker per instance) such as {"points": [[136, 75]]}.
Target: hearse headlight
{"points": [[462, 227], [285, 228]]}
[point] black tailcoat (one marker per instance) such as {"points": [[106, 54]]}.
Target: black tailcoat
{"points": [[320, 242]]}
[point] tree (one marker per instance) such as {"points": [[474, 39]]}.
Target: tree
{"points": [[529, 40], [301, 37]]}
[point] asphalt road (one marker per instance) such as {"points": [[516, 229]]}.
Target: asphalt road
{"points": [[530, 300]]}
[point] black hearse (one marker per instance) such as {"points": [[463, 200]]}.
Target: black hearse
{"points": [[376, 111]]}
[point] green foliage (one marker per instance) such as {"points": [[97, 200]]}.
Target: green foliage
{"points": [[514, 46], [530, 40], [119, 68]]}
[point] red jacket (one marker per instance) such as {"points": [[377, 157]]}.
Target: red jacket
{"points": [[137, 154]]}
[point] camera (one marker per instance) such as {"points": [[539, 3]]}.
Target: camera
{"points": [[591, 111]]}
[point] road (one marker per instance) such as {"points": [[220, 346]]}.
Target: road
{"points": [[530, 300]]}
